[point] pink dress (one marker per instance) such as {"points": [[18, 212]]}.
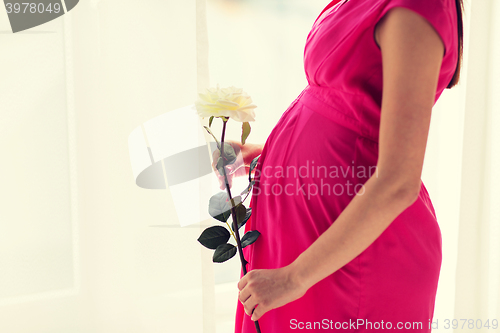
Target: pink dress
{"points": [[305, 179]]}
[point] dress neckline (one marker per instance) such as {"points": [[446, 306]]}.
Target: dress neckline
{"points": [[332, 7]]}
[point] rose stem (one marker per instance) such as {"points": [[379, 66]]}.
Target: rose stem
{"points": [[233, 212]]}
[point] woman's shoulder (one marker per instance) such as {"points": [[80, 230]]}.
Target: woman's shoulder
{"points": [[420, 3], [441, 14]]}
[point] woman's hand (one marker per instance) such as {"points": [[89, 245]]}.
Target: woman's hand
{"points": [[269, 289], [235, 169]]}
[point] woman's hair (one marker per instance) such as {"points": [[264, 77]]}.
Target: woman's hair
{"points": [[460, 23]]}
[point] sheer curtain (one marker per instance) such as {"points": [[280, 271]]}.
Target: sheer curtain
{"points": [[461, 169], [478, 265], [78, 252], [84, 249]]}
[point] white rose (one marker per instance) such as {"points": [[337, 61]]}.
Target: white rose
{"points": [[229, 102]]}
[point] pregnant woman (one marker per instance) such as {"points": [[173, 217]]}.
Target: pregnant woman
{"points": [[349, 237]]}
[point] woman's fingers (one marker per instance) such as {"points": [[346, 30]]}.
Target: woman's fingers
{"points": [[249, 305], [222, 182], [243, 295], [230, 168], [258, 312]]}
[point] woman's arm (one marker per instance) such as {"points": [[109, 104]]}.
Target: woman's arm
{"points": [[412, 53]]}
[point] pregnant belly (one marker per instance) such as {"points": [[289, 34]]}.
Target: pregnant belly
{"points": [[309, 169]]}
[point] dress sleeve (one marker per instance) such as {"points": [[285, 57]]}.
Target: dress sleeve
{"points": [[437, 12]]}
